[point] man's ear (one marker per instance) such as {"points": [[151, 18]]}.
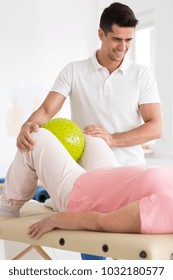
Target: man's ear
{"points": [[101, 34]]}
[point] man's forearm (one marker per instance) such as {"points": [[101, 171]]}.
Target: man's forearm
{"points": [[39, 117], [145, 133]]}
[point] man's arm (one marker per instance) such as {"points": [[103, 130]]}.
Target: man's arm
{"points": [[150, 130], [50, 106]]}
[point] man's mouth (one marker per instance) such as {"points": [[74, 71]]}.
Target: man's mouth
{"points": [[119, 53]]}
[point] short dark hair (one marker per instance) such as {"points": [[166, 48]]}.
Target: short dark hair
{"points": [[117, 13]]}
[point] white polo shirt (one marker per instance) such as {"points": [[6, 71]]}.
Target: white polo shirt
{"points": [[111, 100]]}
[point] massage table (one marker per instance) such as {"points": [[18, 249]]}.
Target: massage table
{"points": [[112, 245]]}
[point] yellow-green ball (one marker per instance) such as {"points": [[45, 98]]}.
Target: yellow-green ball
{"points": [[69, 134]]}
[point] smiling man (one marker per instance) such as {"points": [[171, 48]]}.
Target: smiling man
{"points": [[111, 96], [115, 44]]}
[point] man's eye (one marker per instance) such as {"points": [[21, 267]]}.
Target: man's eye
{"points": [[128, 40]]}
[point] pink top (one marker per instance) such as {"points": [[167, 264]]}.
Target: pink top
{"points": [[107, 189]]}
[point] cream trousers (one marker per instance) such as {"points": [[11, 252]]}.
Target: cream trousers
{"points": [[50, 162]]}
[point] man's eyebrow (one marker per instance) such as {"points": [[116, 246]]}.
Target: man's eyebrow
{"points": [[118, 38]]}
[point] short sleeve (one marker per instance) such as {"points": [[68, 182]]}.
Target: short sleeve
{"points": [[148, 87], [63, 83]]}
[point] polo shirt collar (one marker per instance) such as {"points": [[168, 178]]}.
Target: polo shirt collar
{"points": [[122, 68], [125, 64], [95, 62]]}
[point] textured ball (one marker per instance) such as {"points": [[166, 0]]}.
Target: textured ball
{"points": [[69, 134]]}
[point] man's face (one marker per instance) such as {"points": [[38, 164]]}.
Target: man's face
{"points": [[116, 43]]}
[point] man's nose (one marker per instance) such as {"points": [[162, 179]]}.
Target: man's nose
{"points": [[122, 45]]}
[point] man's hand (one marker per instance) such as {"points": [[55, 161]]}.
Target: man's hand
{"points": [[25, 142], [99, 131]]}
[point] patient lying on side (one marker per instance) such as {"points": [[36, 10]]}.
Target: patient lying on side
{"points": [[132, 199]]}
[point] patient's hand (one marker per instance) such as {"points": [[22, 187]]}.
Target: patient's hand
{"points": [[36, 230]]}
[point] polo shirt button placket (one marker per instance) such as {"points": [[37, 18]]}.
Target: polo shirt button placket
{"points": [[106, 78], [106, 90]]}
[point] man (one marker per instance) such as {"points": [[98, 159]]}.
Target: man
{"points": [[111, 96]]}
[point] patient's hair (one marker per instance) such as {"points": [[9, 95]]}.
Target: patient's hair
{"points": [[119, 14]]}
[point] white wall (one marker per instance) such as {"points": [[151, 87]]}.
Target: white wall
{"points": [[164, 70], [38, 37], [160, 13]]}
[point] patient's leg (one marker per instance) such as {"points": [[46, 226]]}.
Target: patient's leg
{"points": [[97, 154], [51, 163]]}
